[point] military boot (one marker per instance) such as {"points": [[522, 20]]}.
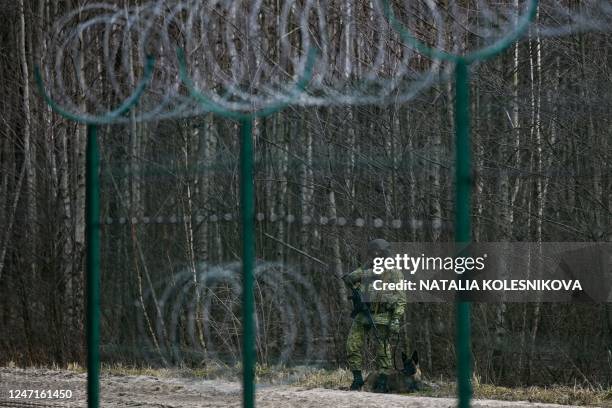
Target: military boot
{"points": [[381, 384], [357, 381]]}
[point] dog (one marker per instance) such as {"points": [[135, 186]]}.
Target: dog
{"points": [[408, 379]]}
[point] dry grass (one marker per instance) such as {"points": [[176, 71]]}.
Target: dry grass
{"points": [[555, 394], [308, 377], [123, 370], [564, 395], [213, 370], [333, 379]]}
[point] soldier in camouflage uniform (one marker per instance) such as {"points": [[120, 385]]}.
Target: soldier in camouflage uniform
{"points": [[386, 309]]}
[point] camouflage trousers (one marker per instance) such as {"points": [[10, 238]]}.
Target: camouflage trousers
{"points": [[355, 344]]}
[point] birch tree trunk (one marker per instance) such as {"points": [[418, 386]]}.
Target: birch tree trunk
{"points": [[206, 167], [306, 187], [8, 226], [29, 146], [77, 157], [509, 192], [285, 130]]}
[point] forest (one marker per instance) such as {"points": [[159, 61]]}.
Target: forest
{"points": [[328, 179]]}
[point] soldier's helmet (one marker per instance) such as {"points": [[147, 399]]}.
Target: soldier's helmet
{"points": [[379, 247]]}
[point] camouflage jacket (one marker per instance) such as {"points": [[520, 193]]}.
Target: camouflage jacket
{"points": [[385, 305]]}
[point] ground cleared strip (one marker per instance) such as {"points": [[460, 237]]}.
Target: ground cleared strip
{"points": [[26, 404], [166, 391]]}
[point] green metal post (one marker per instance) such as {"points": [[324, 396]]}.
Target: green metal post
{"points": [[92, 215], [463, 182], [247, 204]]}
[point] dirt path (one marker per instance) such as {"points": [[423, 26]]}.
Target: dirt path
{"points": [[145, 391]]}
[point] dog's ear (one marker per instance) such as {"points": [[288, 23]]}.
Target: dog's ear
{"points": [[404, 357], [415, 357]]}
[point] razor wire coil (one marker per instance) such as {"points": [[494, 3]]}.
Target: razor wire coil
{"points": [[212, 297], [247, 56]]}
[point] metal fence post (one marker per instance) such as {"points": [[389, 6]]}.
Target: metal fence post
{"points": [[463, 186], [247, 205], [92, 215]]}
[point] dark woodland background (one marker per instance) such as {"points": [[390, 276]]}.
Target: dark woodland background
{"points": [[543, 172]]}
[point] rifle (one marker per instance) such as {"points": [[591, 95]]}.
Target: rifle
{"points": [[360, 306]]}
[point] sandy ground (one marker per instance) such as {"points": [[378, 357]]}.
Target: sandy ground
{"points": [[145, 391]]}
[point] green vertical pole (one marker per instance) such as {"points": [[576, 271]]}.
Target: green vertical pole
{"points": [[463, 183], [92, 215], [247, 204]]}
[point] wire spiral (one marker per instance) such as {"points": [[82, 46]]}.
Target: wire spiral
{"points": [[198, 319]]}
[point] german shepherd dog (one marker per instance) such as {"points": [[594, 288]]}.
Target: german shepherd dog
{"points": [[408, 379]]}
